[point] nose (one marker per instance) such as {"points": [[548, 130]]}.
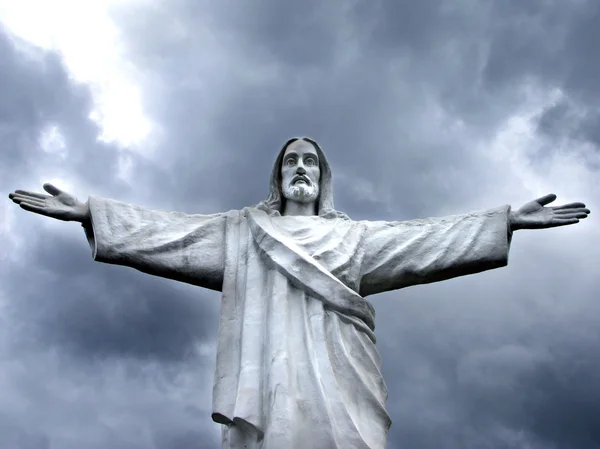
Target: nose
{"points": [[301, 170]]}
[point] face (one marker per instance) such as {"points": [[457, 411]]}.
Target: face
{"points": [[300, 173]]}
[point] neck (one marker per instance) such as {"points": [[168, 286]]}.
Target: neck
{"points": [[294, 208]]}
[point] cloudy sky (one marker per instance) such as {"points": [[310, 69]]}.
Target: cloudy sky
{"points": [[423, 108]]}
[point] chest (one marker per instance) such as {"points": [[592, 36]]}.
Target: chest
{"points": [[333, 244]]}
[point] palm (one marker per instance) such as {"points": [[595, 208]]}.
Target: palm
{"points": [[534, 215], [60, 205]]}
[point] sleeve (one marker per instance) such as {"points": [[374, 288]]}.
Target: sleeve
{"points": [[173, 245], [401, 254]]}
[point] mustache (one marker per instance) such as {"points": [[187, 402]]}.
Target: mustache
{"points": [[304, 178]]}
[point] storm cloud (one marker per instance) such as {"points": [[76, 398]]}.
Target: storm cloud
{"points": [[423, 109]]}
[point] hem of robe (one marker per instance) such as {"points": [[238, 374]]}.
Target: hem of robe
{"points": [[94, 233], [88, 227], [241, 423]]}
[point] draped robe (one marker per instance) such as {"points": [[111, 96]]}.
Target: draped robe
{"points": [[297, 366]]}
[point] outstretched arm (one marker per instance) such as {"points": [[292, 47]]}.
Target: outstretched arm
{"points": [[534, 215], [401, 254], [174, 245]]}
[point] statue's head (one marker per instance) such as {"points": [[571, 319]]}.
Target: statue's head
{"points": [[301, 173]]}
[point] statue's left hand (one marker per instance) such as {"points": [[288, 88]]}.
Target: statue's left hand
{"points": [[534, 215]]}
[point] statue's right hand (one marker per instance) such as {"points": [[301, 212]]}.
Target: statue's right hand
{"points": [[60, 205]]}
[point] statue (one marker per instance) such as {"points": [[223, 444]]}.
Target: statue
{"points": [[297, 365]]}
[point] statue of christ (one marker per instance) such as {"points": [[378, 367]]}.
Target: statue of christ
{"points": [[297, 366]]}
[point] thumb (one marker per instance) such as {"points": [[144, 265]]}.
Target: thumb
{"points": [[51, 189], [547, 199]]}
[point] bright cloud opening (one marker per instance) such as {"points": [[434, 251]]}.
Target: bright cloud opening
{"points": [[51, 140], [83, 32], [564, 170]]}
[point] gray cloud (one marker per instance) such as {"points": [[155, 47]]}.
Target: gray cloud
{"points": [[78, 349], [408, 100]]}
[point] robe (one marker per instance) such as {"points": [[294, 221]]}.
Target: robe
{"points": [[297, 366]]}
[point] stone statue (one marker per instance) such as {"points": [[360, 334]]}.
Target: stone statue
{"points": [[297, 365]]}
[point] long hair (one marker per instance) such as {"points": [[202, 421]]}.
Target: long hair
{"points": [[275, 201]]}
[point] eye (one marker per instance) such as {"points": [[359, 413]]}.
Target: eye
{"points": [[310, 161], [290, 161]]}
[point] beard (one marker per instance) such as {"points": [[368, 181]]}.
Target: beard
{"points": [[301, 193]]}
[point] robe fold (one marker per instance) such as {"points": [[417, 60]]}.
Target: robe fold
{"points": [[297, 365]]}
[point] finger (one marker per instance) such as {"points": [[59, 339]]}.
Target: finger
{"points": [[52, 189], [546, 199], [570, 211], [33, 208], [572, 215], [19, 199], [564, 222], [26, 197], [569, 206], [31, 194]]}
